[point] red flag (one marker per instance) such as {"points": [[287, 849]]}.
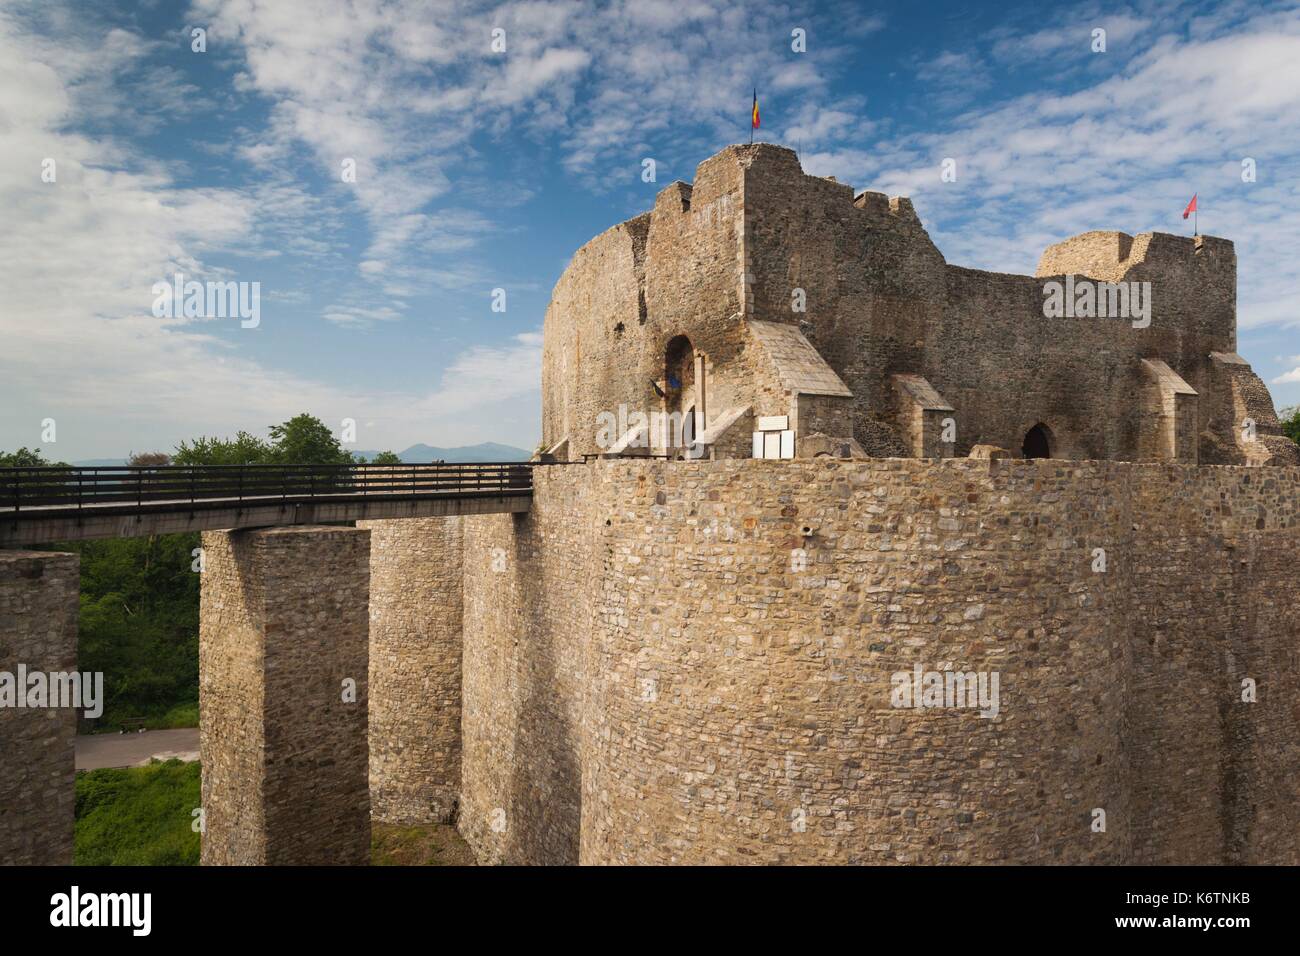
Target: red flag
{"points": [[1191, 207], [754, 116]]}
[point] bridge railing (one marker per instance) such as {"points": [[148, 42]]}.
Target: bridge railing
{"points": [[59, 487]]}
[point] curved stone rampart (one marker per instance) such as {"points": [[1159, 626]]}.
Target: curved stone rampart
{"points": [[695, 662]]}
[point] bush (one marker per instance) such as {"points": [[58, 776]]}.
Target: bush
{"points": [[1291, 423], [138, 816]]}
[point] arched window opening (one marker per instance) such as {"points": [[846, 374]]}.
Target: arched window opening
{"points": [[1038, 442], [679, 374]]}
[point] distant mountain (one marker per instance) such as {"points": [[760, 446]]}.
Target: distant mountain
{"points": [[487, 451]]}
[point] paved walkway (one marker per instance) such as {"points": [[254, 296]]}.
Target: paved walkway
{"points": [[95, 751]]}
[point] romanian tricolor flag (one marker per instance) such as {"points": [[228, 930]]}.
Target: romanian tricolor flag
{"points": [[754, 118]]}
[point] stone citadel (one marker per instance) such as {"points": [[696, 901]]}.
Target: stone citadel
{"points": [[675, 661], [687, 651]]}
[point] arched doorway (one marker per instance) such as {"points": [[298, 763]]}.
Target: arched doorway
{"points": [[683, 393], [1038, 442], [679, 374]]}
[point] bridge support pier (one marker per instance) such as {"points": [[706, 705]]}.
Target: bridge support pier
{"points": [[415, 654], [283, 682], [38, 630]]}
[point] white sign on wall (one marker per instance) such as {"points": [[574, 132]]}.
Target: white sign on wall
{"points": [[774, 444]]}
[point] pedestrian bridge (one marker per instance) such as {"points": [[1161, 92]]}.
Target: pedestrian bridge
{"points": [[42, 505]]}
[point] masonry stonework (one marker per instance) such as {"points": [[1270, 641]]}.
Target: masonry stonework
{"points": [[651, 680], [38, 629], [682, 661], [755, 242], [528, 609], [1095, 520], [283, 637], [415, 669]]}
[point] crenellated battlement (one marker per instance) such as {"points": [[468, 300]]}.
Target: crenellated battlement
{"points": [[756, 240], [1109, 256]]}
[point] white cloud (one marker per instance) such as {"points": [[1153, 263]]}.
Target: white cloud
{"points": [[78, 258], [410, 90]]}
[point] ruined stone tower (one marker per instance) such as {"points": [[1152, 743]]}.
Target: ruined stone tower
{"points": [[791, 298], [692, 658]]}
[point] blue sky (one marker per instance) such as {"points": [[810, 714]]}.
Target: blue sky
{"points": [[479, 170]]}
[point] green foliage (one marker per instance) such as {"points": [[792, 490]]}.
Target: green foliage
{"points": [[140, 624], [140, 596], [26, 458], [1291, 423], [243, 449], [182, 715], [306, 440], [138, 816], [302, 440], [386, 458], [422, 844], [29, 458]]}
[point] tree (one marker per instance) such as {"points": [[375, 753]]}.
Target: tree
{"points": [[30, 485], [140, 596], [149, 459], [27, 458], [1291, 423], [243, 449], [306, 440], [386, 458], [302, 440]]}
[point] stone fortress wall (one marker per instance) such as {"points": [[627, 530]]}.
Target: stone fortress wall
{"points": [[415, 628], [648, 678], [687, 662], [39, 607], [671, 689], [692, 662], [880, 301]]}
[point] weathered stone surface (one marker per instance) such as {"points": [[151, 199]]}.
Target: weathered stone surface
{"points": [[755, 244], [415, 623], [38, 628], [528, 612], [283, 625], [651, 680]]}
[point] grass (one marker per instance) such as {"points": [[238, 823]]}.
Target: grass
{"points": [[434, 844], [138, 816], [142, 816], [184, 714]]}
